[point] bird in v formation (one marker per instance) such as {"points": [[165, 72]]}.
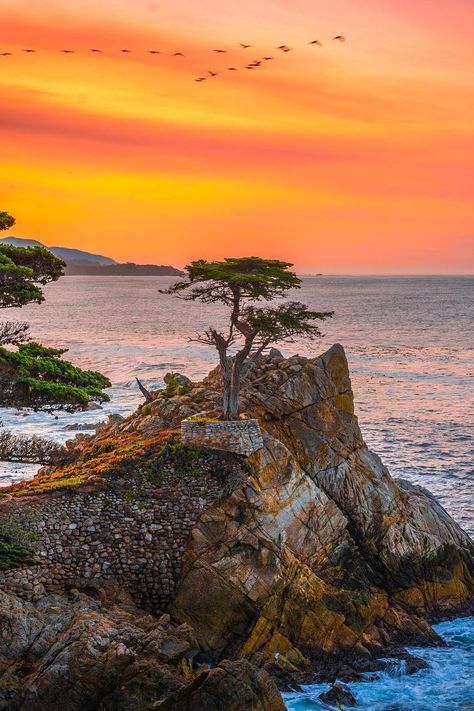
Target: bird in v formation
{"points": [[251, 65], [282, 47]]}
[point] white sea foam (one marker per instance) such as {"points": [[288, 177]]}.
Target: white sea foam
{"points": [[445, 686]]}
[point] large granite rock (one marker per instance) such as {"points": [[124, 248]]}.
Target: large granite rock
{"points": [[322, 554], [230, 686]]}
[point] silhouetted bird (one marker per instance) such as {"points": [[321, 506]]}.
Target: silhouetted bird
{"points": [[6, 54], [256, 63], [201, 79], [67, 51], [153, 51], [320, 44], [245, 46], [95, 50], [178, 54], [340, 38], [284, 48], [220, 51], [28, 51], [232, 69], [268, 59], [212, 74], [127, 51]]}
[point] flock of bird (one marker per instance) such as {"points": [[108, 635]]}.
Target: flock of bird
{"points": [[255, 64]]}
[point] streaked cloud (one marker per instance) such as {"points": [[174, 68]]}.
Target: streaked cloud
{"points": [[345, 158]]}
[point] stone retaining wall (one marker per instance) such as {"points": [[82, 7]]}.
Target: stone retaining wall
{"points": [[136, 535], [241, 436]]}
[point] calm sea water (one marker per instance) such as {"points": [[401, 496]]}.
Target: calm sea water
{"points": [[410, 345]]}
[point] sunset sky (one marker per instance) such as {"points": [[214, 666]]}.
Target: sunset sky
{"points": [[353, 157]]}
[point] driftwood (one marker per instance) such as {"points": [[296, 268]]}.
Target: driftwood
{"points": [[146, 393]]}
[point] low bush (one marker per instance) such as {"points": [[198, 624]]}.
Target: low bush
{"points": [[14, 547], [176, 458], [174, 387]]}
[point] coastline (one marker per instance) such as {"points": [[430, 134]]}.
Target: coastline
{"points": [[277, 521]]}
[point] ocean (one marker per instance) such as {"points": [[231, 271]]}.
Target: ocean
{"points": [[410, 345]]}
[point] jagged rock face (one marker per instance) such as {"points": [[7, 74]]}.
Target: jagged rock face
{"points": [[233, 686], [405, 535], [323, 553], [75, 654], [274, 569], [71, 653]]}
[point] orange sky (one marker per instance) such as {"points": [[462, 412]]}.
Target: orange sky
{"points": [[354, 157]]}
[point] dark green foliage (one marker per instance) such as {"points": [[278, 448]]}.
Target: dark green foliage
{"points": [[174, 387], [178, 458], [254, 278], [6, 221], [239, 283], [14, 548], [13, 555], [37, 377], [23, 270], [284, 322]]}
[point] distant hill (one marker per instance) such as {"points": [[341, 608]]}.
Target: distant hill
{"points": [[127, 269], [65, 253], [83, 263]]}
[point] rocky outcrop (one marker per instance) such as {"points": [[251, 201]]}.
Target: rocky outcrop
{"points": [[323, 554], [314, 562], [73, 653], [81, 652], [233, 686], [339, 695]]}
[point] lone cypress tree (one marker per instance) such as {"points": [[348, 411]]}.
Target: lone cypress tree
{"points": [[35, 376], [240, 283]]}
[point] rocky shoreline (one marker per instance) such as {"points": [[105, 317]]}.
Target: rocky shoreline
{"points": [[170, 576]]}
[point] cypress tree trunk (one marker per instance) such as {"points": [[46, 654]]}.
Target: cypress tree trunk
{"points": [[226, 370], [234, 397]]}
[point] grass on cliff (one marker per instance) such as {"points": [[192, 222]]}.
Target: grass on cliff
{"points": [[14, 548], [102, 458], [172, 456], [12, 555]]}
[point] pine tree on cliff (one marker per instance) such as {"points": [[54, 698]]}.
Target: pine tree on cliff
{"points": [[239, 284], [30, 374]]}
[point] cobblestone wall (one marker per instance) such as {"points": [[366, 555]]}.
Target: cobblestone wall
{"points": [[136, 535], [241, 436]]}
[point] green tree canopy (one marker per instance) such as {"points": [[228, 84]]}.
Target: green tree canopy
{"points": [[6, 221], [23, 271], [32, 375], [240, 283], [37, 377]]}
